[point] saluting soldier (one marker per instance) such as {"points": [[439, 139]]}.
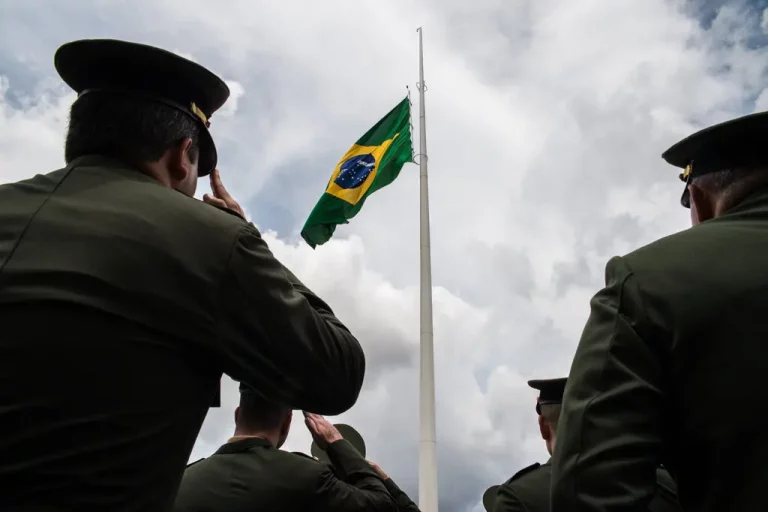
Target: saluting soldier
{"points": [[404, 502], [671, 364], [250, 472], [529, 489], [123, 298]]}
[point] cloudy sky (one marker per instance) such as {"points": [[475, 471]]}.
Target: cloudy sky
{"points": [[546, 121]]}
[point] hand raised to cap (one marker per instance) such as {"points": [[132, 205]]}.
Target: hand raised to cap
{"points": [[221, 197], [380, 471], [323, 432]]}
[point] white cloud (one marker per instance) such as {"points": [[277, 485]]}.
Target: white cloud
{"points": [[546, 122], [761, 104], [236, 91]]}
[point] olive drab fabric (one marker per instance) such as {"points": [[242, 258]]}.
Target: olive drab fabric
{"points": [[671, 369], [251, 474], [403, 501], [347, 432], [529, 491], [489, 497], [665, 499], [526, 491], [122, 302]]}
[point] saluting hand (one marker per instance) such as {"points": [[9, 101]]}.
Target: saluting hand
{"points": [[381, 472], [323, 432], [221, 197]]}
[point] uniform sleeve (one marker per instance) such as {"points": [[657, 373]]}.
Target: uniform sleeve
{"points": [[507, 501], [358, 489], [608, 439], [404, 502], [280, 338]]}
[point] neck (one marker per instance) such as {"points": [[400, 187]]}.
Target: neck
{"points": [[272, 437], [551, 445], [155, 170]]}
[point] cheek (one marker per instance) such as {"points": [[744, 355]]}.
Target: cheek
{"points": [[191, 180]]}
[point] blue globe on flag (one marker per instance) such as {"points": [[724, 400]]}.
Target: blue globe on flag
{"points": [[354, 171]]}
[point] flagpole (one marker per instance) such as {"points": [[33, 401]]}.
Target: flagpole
{"points": [[427, 441]]}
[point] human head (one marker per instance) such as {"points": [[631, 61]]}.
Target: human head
{"points": [[548, 406], [722, 165], [144, 105], [157, 139], [257, 416], [713, 194]]}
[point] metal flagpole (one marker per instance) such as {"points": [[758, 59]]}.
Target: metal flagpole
{"points": [[427, 442]]}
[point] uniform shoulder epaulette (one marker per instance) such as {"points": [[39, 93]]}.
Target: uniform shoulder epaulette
{"points": [[306, 456], [193, 463], [525, 471]]}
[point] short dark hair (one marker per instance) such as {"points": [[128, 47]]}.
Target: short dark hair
{"points": [[258, 413], [735, 181], [719, 181], [124, 126]]}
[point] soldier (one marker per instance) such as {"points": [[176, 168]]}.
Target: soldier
{"points": [[123, 298], [670, 367], [404, 502], [529, 489], [250, 472]]}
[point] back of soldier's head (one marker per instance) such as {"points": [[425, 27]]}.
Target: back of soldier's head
{"points": [[127, 127], [722, 165], [551, 413], [141, 105], [256, 414]]}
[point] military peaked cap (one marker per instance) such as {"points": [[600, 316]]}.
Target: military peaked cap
{"points": [[245, 389], [109, 66], [348, 433], [550, 391], [733, 144]]}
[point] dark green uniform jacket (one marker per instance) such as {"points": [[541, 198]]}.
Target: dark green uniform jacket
{"points": [[671, 368], [529, 491], [251, 474], [404, 503], [121, 304]]}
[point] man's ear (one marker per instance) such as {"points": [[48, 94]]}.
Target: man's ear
{"points": [[702, 204], [180, 160]]}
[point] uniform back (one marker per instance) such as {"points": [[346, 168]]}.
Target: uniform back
{"points": [[109, 282], [710, 300]]}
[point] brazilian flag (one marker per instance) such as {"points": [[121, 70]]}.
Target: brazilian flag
{"points": [[373, 162]]}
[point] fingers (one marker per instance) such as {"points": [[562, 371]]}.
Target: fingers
{"points": [[217, 187], [311, 424], [214, 201]]}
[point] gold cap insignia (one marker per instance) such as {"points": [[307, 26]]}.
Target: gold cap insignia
{"points": [[687, 172], [199, 113]]}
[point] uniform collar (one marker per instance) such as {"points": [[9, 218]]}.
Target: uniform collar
{"points": [[243, 445], [113, 165], [758, 198]]}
